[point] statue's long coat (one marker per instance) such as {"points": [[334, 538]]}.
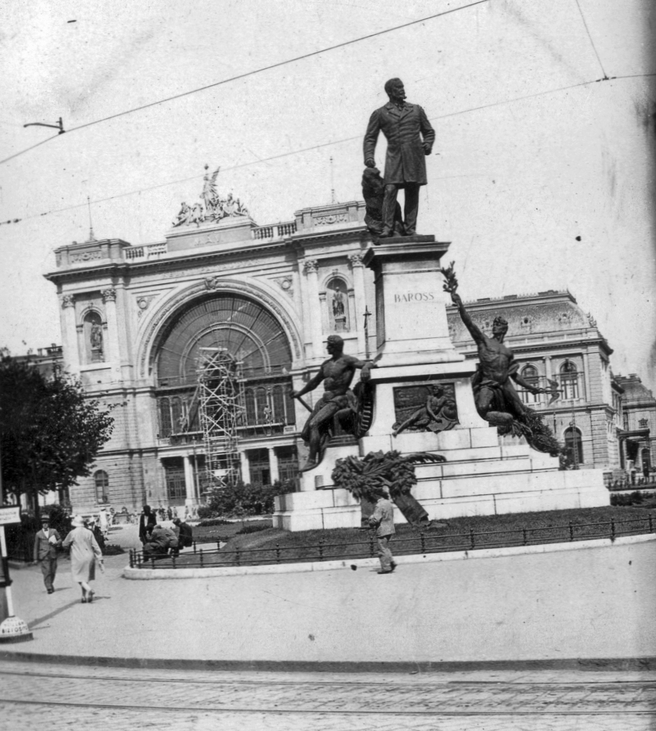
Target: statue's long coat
{"points": [[404, 129]]}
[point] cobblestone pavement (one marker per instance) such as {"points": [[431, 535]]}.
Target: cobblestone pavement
{"points": [[60, 697]]}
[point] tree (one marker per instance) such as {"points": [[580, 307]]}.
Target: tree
{"points": [[50, 432]]}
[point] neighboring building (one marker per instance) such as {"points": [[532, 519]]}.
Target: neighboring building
{"points": [[638, 426], [47, 360], [554, 340], [142, 324]]}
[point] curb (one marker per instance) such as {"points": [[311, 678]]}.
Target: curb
{"points": [[628, 664], [310, 566]]}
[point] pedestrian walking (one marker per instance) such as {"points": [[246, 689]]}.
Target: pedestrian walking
{"points": [[47, 543], [382, 520], [85, 552]]}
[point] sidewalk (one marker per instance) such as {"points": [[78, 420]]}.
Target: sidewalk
{"points": [[553, 608]]}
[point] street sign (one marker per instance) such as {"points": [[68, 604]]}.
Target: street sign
{"points": [[9, 515]]}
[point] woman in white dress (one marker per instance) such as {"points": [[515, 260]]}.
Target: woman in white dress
{"points": [[85, 551]]}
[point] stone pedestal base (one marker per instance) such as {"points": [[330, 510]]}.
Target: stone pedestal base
{"points": [[321, 509]]}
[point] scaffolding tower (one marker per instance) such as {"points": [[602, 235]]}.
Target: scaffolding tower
{"points": [[221, 410]]}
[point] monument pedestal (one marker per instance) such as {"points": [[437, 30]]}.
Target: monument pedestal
{"points": [[419, 373]]}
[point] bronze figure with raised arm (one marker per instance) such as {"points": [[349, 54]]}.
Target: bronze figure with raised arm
{"points": [[495, 396], [336, 374]]}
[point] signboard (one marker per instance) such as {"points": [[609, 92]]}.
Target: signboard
{"points": [[9, 515]]}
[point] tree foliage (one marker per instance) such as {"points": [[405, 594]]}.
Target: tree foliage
{"points": [[50, 433]]}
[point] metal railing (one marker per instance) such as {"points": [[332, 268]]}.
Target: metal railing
{"points": [[418, 543]]}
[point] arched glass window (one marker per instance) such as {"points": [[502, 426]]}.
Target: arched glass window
{"points": [[165, 426], [94, 338], [278, 405], [530, 374], [101, 480], [249, 398], [263, 411], [569, 380], [574, 445]]}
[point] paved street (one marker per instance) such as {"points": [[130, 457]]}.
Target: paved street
{"points": [[60, 697]]}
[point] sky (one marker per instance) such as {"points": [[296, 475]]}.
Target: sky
{"points": [[542, 174]]}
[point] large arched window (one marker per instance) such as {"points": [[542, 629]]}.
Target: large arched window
{"points": [[530, 374], [101, 480], [569, 380], [253, 339], [574, 445]]}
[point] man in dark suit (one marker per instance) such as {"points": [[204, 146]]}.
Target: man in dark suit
{"points": [[410, 138], [47, 543], [147, 521]]}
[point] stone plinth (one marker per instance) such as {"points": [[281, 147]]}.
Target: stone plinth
{"points": [[320, 509], [411, 323]]}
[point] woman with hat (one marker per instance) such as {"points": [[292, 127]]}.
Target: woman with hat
{"points": [[85, 551]]}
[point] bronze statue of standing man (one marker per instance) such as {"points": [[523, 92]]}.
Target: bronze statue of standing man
{"points": [[410, 138]]}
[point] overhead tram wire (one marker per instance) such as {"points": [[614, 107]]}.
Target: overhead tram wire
{"points": [[254, 72], [317, 147], [587, 30]]}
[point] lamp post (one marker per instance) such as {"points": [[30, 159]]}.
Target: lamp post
{"points": [[12, 629]]}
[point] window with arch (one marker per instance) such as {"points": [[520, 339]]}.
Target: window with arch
{"points": [[530, 374], [338, 304], [101, 480], [94, 337], [569, 380], [574, 445]]}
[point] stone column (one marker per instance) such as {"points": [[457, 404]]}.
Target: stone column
{"points": [[190, 487], [273, 465], [359, 301], [112, 351], [311, 272], [69, 333], [245, 468]]}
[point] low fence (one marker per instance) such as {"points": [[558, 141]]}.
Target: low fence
{"points": [[201, 556]]}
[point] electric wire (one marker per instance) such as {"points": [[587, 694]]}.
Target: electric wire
{"points": [[246, 74], [587, 30], [317, 147]]}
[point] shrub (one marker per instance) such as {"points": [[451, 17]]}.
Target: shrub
{"points": [[239, 500], [205, 512], [111, 549]]}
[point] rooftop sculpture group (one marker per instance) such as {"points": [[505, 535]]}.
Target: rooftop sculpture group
{"points": [[213, 207]]}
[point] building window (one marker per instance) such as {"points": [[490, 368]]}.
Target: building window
{"points": [[530, 374], [176, 490], [101, 480], [569, 380], [574, 445]]}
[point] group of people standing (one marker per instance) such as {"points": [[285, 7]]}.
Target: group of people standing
{"points": [[158, 540], [85, 554]]}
